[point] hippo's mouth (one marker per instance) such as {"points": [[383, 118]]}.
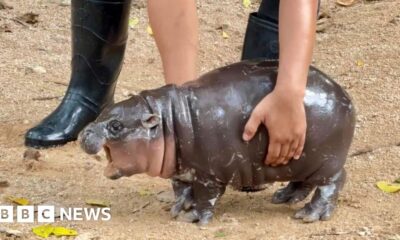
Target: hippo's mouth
{"points": [[110, 171]]}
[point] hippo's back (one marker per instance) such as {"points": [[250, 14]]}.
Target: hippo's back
{"points": [[220, 102]]}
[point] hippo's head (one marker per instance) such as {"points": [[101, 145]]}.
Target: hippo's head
{"points": [[132, 137]]}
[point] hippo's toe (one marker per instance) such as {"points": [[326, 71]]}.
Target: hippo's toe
{"points": [[293, 193], [190, 216], [202, 218], [312, 213]]}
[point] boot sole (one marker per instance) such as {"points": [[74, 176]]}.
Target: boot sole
{"points": [[43, 144]]}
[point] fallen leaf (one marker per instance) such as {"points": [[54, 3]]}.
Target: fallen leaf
{"points": [[133, 22], [246, 3], [150, 30], [388, 187], [360, 63], [19, 201], [397, 180], [345, 3], [45, 231], [98, 203], [225, 35]]}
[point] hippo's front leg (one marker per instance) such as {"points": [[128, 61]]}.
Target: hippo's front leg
{"points": [[206, 193]]}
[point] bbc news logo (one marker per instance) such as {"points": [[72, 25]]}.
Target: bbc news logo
{"points": [[47, 214]]}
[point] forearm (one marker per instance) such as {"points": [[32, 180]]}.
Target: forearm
{"points": [[175, 27], [297, 26]]}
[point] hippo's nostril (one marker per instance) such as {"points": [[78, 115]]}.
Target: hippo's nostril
{"points": [[90, 142]]}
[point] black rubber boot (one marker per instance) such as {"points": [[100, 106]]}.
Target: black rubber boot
{"points": [[99, 35], [262, 35], [261, 38]]}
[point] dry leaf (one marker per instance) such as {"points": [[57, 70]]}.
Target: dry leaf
{"points": [[19, 201], [388, 187], [345, 3], [46, 230], [98, 203], [133, 22], [246, 3], [149, 30], [43, 231], [360, 63], [225, 35]]}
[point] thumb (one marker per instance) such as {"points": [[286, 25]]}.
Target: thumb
{"points": [[251, 127]]}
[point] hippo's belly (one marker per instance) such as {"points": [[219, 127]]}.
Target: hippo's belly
{"points": [[221, 102]]}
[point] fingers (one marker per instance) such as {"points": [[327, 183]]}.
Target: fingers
{"points": [[251, 127], [300, 146], [285, 148], [274, 151], [281, 152], [293, 148]]}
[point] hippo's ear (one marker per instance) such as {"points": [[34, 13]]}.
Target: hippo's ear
{"points": [[150, 120]]}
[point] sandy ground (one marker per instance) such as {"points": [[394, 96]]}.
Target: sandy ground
{"points": [[359, 48]]}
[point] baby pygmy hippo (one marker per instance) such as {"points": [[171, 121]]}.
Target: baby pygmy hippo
{"points": [[192, 134]]}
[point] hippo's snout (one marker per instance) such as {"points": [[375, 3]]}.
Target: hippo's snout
{"points": [[112, 173], [91, 139]]}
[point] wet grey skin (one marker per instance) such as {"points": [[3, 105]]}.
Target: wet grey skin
{"points": [[192, 135]]}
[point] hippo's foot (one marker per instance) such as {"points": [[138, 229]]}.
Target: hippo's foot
{"points": [[314, 212], [202, 218], [323, 202], [196, 201], [183, 197], [294, 192]]}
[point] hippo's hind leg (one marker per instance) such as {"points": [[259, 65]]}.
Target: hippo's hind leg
{"points": [[205, 195], [183, 197], [294, 192], [324, 200]]}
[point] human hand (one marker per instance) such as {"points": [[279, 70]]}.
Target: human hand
{"points": [[283, 114]]}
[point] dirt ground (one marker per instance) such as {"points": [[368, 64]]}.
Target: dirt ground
{"points": [[359, 47]]}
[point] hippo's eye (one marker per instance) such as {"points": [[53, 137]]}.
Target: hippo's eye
{"points": [[115, 126]]}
